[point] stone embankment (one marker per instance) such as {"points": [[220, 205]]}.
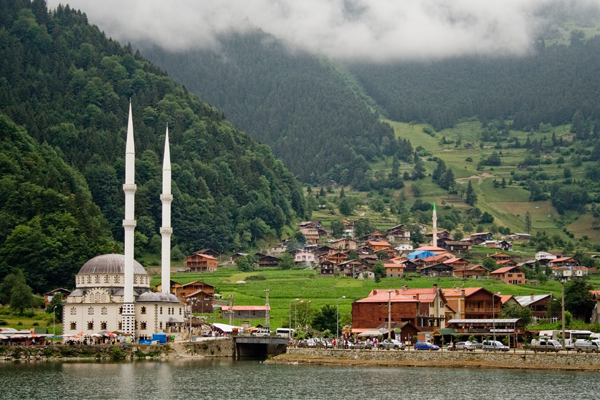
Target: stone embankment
{"points": [[177, 350], [394, 358]]}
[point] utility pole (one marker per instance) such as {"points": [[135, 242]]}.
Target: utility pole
{"points": [[390, 314], [267, 310], [230, 309], [562, 283]]}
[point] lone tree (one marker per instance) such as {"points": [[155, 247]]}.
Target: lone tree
{"points": [[527, 222], [345, 208], [21, 297], [578, 299], [379, 271], [326, 319], [56, 302], [471, 196]]}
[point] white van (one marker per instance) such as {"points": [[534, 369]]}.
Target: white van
{"points": [[285, 332]]}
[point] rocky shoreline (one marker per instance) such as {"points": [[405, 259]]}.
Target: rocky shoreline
{"points": [[531, 361]]}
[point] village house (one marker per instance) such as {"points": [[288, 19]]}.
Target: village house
{"points": [[374, 236], [338, 257], [457, 262], [423, 308], [327, 268], [182, 290], [304, 257], [200, 301], [501, 257], [48, 296], [403, 247], [311, 234], [519, 236], [482, 235], [431, 249], [350, 268], [506, 263], [265, 260], [504, 245], [457, 247], [345, 244], [199, 262], [538, 303], [510, 275], [399, 234], [173, 286], [481, 328], [393, 270], [437, 269], [209, 252], [544, 257], [508, 300], [473, 302], [246, 312], [471, 272], [376, 246], [439, 258], [569, 272], [563, 262]]}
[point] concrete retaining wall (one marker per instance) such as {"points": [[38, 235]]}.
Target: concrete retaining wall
{"points": [[455, 357]]}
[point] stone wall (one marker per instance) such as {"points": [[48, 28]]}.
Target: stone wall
{"points": [[205, 348], [456, 358]]}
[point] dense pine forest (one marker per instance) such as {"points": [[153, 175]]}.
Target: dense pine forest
{"points": [[64, 95], [297, 103], [547, 87]]}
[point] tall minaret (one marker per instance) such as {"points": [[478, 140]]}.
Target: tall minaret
{"points": [[434, 231], [166, 230], [129, 224]]}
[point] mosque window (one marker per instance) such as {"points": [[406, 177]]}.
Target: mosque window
{"points": [[160, 324], [97, 278], [161, 313], [103, 325], [116, 278], [106, 278], [179, 310], [91, 311], [136, 325], [135, 279], [120, 310], [143, 310], [97, 298], [73, 311], [119, 325], [143, 326], [90, 325], [103, 311], [89, 280], [73, 326]]}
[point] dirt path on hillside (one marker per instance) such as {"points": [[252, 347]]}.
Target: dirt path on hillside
{"points": [[479, 178]]}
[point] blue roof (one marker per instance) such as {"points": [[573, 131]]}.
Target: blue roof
{"points": [[422, 254]]}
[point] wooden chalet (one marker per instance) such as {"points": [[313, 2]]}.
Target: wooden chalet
{"points": [[199, 262], [506, 263], [327, 268], [501, 257], [457, 262], [482, 235], [537, 302], [563, 262], [510, 275], [345, 244], [338, 257], [202, 301], [438, 269], [399, 234], [375, 236], [48, 296], [311, 234], [440, 258], [265, 260], [457, 247], [350, 268], [473, 302], [504, 245], [394, 270], [440, 235], [471, 272]]}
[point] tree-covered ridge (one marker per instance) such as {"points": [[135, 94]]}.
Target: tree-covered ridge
{"points": [[549, 86], [70, 87], [49, 225], [293, 101]]}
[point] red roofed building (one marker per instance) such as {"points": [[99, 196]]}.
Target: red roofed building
{"points": [[511, 275], [440, 258], [473, 302], [246, 312], [199, 262], [471, 272], [563, 262], [433, 249], [424, 308], [457, 262], [507, 263]]}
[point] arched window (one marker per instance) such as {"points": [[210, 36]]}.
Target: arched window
{"points": [[106, 278], [119, 325], [89, 280], [135, 279], [90, 325], [73, 311], [120, 310], [161, 313], [103, 311], [103, 325], [143, 310], [143, 326], [179, 310], [91, 311], [116, 278], [73, 326], [97, 278]]}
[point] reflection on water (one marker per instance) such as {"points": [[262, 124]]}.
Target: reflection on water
{"points": [[228, 379]]}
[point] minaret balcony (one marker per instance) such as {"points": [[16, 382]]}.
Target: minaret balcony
{"points": [[167, 230], [131, 223], [129, 188], [166, 197]]}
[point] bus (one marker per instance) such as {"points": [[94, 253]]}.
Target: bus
{"points": [[285, 332], [572, 336]]}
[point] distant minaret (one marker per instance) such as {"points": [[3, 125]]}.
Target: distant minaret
{"points": [[434, 231], [166, 230], [129, 224]]}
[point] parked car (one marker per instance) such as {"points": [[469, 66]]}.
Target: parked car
{"points": [[426, 346], [363, 345], [476, 344], [463, 346], [546, 345], [494, 345], [586, 346], [392, 344]]}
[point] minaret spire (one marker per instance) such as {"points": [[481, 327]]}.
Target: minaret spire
{"points": [[434, 231], [166, 230], [129, 223]]}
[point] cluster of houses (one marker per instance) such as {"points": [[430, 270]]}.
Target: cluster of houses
{"points": [[355, 258], [425, 313]]}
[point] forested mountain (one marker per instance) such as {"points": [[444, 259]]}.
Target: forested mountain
{"points": [[549, 86], [295, 102], [69, 87]]}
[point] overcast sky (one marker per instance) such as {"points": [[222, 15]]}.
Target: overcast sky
{"points": [[364, 29]]}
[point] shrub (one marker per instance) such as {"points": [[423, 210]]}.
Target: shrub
{"points": [[116, 353], [256, 278]]}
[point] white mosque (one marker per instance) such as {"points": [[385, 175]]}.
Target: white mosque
{"points": [[113, 290]]}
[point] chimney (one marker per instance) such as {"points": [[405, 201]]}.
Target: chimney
{"points": [[417, 297], [462, 293], [531, 296]]}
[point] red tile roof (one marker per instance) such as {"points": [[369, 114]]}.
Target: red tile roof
{"points": [[433, 249], [378, 243], [247, 308], [503, 270]]}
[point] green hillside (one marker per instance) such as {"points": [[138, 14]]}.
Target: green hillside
{"points": [[69, 87]]}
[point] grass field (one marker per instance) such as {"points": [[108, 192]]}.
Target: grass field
{"points": [[314, 291]]}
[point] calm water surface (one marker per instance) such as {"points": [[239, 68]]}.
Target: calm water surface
{"points": [[226, 379]]}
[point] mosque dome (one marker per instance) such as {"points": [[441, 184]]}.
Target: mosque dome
{"points": [[109, 264], [152, 297]]}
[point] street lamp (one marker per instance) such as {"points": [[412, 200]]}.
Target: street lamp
{"points": [[563, 278], [337, 325], [306, 316], [290, 319], [191, 303], [54, 322], [296, 313]]}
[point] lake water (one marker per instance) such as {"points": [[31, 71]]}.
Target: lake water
{"points": [[227, 379]]}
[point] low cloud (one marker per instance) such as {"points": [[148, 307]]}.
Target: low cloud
{"points": [[375, 30]]}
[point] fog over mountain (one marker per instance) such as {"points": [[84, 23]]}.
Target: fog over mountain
{"points": [[377, 30]]}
